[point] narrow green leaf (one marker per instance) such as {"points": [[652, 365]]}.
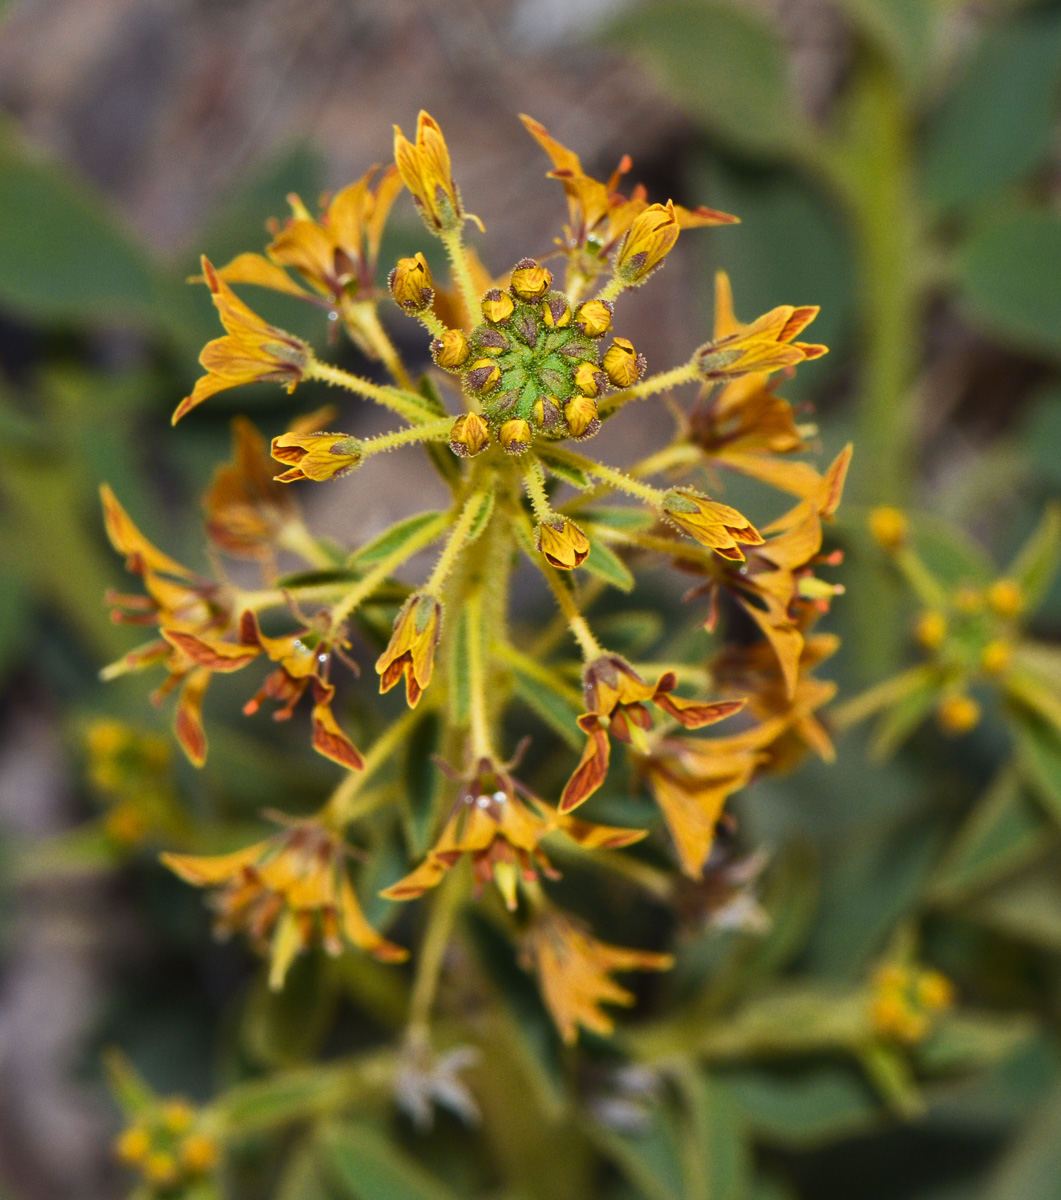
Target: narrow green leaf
{"points": [[1005, 830], [805, 1108], [482, 516], [459, 678], [607, 565], [369, 1167], [649, 1157], [391, 539], [1039, 748], [566, 472], [551, 699], [1031, 1167], [1037, 560], [628, 517], [717, 1151], [1028, 907]]}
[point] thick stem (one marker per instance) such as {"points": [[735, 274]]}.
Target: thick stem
{"points": [[477, 701], [437, 431], [406, 404], [612, 290]]}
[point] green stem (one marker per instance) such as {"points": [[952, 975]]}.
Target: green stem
{"points": [[340, 809], [453, 240], [367, 318], [651, 386], [576, 622], [534, 481], [456, 543], [446, 905], [406, 404], [435, 431], [610, 475]]}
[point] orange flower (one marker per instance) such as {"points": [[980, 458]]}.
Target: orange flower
{"points": [[303, 660], [616, 697], [251, 352], [711, 524], [598, 212], [756, 673], [691, 779], [335, 254], [574, 972], [501, 825], [426, 172], [176, 599], [287, 893], [764, 346], [648, 241], [317, 456], [246, 512], [411, 650]]}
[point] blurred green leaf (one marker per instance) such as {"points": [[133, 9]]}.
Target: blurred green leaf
{"points": [[391, 539], [1039, 748], [1005, 830], [715, 1145], [64, 254], [369, 1167], [1010, 274], [551, 699], [966, 1040], [723, 63], [286, 1027], [1027, 907], [901, 29], [997, 122], [1037, 560], [650, 1156], [805, 1108], [1031, 1168]]}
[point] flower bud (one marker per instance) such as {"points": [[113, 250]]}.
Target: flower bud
{"points": [[968, 599], [411, 284], [889, 527], [563, 543], [996, 656], [199, 1153], [590, 379], [483, 375], [957, 714], [425, 170], [546, 412], [931, 629], [580, 412], [317, 456], [594, 318], [178, 1116], [469, 435], [1005, 598], [556, 312], [710, 523], [515, 436], [497, 305], [411, 650], [649, 240], [622, 363], [529, 280], [133, 1145], [451, 350], [160, 1168]]}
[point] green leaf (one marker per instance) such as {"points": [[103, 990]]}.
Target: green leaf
{"points": [[1037, 560], [650, 1157], [628, 517], [631, 633], [1039, 747], [63, 252], [607, 565], [565, 471], [391, 540], [1031, 1167], [459, 677], [967, 1040], [548, 696], [422, 779], [803, 1109], [716, 1150], [482, 516], [369, 1167], [1010, 273], [997, 122], [721, 62], [901, 29], [286, 1027], [288, 1096], [1005, 830], [1027, 908]]}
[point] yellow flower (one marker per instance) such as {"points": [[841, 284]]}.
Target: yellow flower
{"points": [[425, 171], [574, 972], [957, 714], [615, 699], [199, 1153], [287, 893], [251, 352], [996, 656], [1005, 598], [500, 825], [905, 1000], [648, 241], [411, 651], [411, 284], [497, 306], [889, 527], [931, 629], [133, 1145], [764, 346], [716, 525], [318, 456], [563, 543]]}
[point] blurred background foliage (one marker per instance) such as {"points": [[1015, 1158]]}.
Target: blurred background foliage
{"points": [[897, 162]]}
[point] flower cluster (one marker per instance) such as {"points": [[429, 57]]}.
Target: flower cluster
{"points": [[527, 368]]}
